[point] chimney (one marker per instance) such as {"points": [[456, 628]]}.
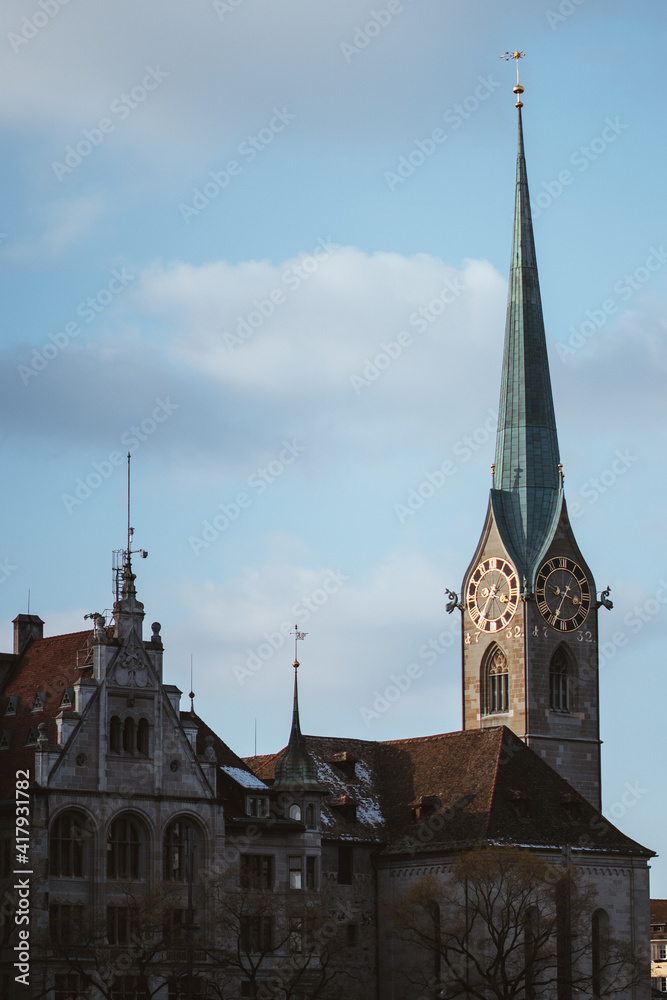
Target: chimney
{"points": [[26, 627]]}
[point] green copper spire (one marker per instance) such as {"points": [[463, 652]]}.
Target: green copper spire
{"points": [[296, 770], [527, 486]]}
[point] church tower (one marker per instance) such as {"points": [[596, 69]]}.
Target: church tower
{"points": [[530, 637]]}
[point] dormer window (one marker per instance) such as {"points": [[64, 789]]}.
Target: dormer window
{"points": [[67, 700], [572, 806], [257, 805], [523, 805], [31, 738], [38, 703], [346, 806], [12, 705], [425, 805], [345, 762], [5, 738]]}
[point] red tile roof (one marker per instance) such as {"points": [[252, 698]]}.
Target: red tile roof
{"points": [[46, 665]]}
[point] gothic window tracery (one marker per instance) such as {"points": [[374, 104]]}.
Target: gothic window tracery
{"points": [[496, 681]]}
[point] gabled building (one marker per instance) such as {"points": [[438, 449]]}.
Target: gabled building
{"points": [[280, 875]]}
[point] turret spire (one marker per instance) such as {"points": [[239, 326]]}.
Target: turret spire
{"points": [[527, 483], [296, 770]]}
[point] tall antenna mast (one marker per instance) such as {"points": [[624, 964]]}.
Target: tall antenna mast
{"points": [[129, 529], [122, 558], [191, 696]]}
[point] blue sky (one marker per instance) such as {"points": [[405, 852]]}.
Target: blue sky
{"points": [[216, 217]]}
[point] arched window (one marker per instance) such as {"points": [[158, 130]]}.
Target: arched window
{"points": [[311, 819], [114, 734], [182, 846], [125, 849], [129, 735], [496, 676], [70, 834], [559, 672], [599, 942], [142, 737], [295, 811]]}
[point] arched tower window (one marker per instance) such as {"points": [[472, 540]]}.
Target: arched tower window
{"points": [[115, 739], [142, 737], [68, 845], [182, 847], [311, 816], [129, 735], [559, 681], [599, 944], [125, 849], [496, 681]]}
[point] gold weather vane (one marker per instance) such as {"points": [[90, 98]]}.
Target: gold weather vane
{"points": [[518, 90], [298, 637]]}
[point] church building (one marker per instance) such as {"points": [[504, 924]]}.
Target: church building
{"points": [[161, 866]]}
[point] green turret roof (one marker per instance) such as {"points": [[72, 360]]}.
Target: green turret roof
{"points": [[527, 487], [296, 770]]}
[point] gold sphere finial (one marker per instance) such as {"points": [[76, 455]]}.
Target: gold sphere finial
{"points": [[518, 90]]}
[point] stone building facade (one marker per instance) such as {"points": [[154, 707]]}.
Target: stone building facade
{"points": [[161, 866]]}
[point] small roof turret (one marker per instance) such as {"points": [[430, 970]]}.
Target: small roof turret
{"points": [[296, 770]]}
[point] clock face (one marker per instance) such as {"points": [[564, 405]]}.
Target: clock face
{"points": [[563, 594], [493, 595]]}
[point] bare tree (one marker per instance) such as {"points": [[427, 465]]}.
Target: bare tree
{"points": [[138, 946], [280, 944], [504, 924]]}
